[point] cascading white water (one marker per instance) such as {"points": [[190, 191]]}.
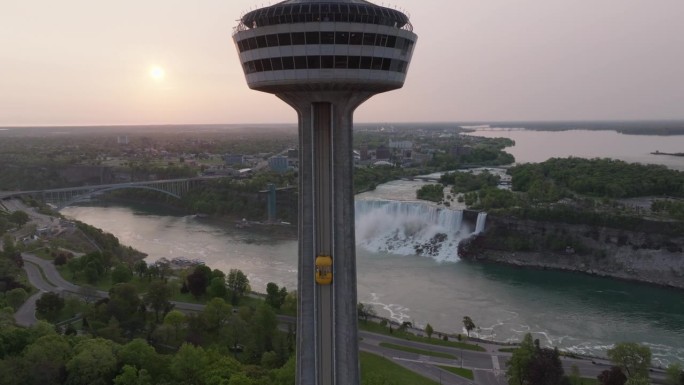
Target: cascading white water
{"points": [[410, 228], [481, 221]]}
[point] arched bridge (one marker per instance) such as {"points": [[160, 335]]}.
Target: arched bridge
{"points": [[63, 197]]}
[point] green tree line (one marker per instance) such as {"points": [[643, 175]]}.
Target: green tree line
{"points": [[599, 178]]}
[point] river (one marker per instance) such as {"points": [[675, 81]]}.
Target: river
{"points": [[538, 146], [575, 312]]}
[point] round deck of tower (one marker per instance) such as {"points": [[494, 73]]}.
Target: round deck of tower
{"points": [[313, 45]]}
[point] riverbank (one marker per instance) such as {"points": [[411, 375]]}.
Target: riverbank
{"points": [[635, 256], [547, 261]]}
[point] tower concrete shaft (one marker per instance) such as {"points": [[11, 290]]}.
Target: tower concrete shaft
{"points": [[327, 337], [324, 58]]}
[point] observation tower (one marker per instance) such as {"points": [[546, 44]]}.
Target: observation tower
{"points": [[325, 58]]}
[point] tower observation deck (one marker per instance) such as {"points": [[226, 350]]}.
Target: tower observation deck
{"points": [[325, 58]]}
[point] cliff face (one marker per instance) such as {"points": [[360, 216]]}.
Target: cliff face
{"points": [[642, 256]]}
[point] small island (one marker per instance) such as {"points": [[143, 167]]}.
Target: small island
{"points": [[668, 153]]}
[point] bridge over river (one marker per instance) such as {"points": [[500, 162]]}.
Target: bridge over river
{"points": [[63, 197]]}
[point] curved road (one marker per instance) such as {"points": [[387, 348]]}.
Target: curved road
{"points": [[488, 367]]}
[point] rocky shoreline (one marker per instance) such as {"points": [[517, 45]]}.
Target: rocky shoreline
{"points": [[604, 252]]}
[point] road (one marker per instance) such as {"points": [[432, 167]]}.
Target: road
{"points": [[488, 366], [44, 276]]}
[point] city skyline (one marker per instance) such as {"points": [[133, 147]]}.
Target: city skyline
{"points": [[172, 62]]}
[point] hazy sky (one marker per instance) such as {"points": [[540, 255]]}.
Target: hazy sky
{"points": [[88, 62]]}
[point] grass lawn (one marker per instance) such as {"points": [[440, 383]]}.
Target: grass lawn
{"points": [[374, 327], [463, 372], [104, 283], [417, 351], [41, 252], [588, 381], [508, 350], [376, 367]]}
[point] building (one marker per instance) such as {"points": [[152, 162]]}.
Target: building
{"points": [[234, 159], [382, 153], [401, 144], [364, 153], [278, 164], [325, 58]]}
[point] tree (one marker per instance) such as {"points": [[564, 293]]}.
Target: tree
{"points": [[217, 288], [61, 259], [164, 268], [289, 305], [546, 367], [140, 267], [516, 372], [19, 217], [49, 305], [45, 359], [130, 375], [188, 365], [468, 324], [429, 330], [93, 364], [236, 328], [674, 375], [431, 192], [157, 297], [8, 246], [124, 304], [238, 285], [216, 314], [612, 376], [88, 293], [139, 354], [263, 328], [274, 295], [365, 311], [176, 320], [198, 280], [632, 358], [121, 274], [16, 297]]}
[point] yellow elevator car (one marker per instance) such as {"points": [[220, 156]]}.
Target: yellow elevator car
{"points": [[324, 273]]}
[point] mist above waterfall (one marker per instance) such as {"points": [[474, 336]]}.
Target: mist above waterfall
{"points": [[410, 228]]}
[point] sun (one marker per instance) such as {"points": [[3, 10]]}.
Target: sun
{"points": [[157, 73]]}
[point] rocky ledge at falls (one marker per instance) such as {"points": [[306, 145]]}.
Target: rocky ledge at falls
{"points": [[652, 256]]}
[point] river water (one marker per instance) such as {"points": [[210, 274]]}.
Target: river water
{"points": [[575, 312], [538, 146]]}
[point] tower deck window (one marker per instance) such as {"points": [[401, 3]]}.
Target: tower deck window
{"points": [[300, 62], [341, 38], [298, 38], [327, 37], [284, 39], [313, 38]]}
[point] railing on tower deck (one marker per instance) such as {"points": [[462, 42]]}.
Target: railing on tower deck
{"points": [[380, 16]]}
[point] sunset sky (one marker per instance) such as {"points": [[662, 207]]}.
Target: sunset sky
{"points": [[84, 62]]}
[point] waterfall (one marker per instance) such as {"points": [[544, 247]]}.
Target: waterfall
{"points": [[481, 220], [410, 228]]}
